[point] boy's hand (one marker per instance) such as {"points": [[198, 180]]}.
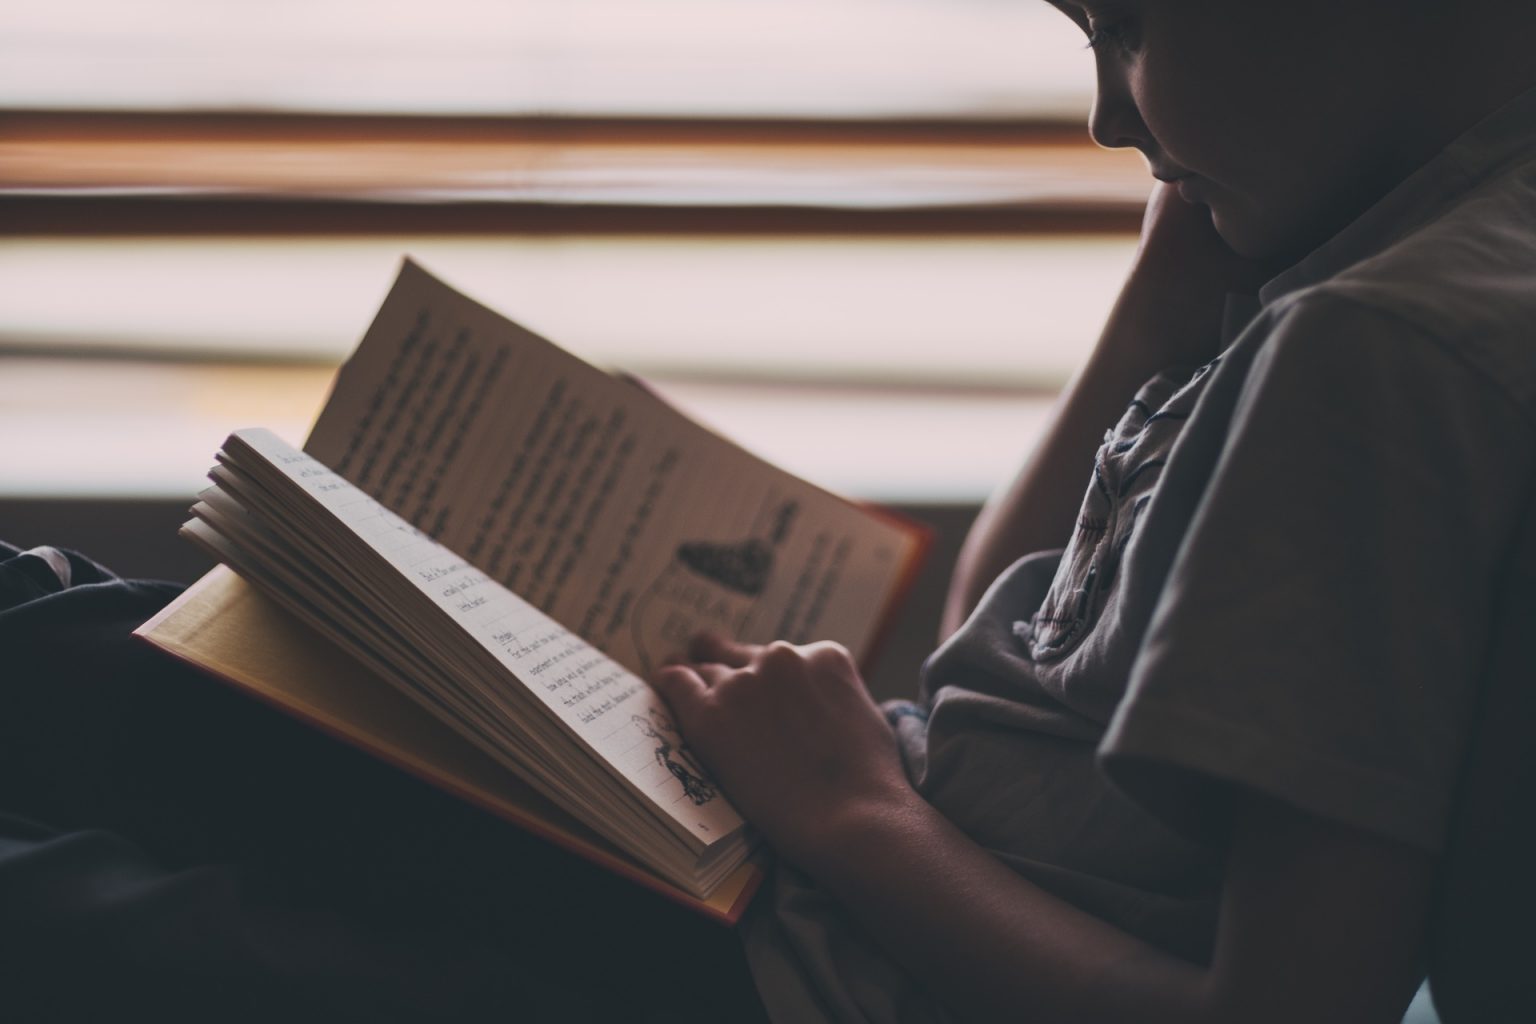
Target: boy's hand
{"points": [[1169, 314], [1179, 239], [1176, 293], [791, 735]]}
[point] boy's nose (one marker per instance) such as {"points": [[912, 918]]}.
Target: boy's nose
{"points": [[1115, 122]]}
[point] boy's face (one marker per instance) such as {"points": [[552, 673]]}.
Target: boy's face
{"points": [[1281, 116]]}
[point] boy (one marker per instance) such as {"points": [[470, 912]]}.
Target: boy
{"points": [[1194, 768], [1197, 767]]}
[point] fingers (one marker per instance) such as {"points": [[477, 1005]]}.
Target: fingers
{"points": [[713, 673], [825, 651], [712, 647], [714, 662], [685, 684], [679, 685], [711, 659]]}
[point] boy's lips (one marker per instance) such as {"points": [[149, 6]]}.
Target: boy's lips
{"points": [[1187, 182]]}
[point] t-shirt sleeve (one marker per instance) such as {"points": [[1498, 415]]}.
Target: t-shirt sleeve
{"points": [[1323, 628]]}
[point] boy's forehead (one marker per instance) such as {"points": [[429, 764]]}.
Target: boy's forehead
{"points": [[1297, 22], [1067, 7]]}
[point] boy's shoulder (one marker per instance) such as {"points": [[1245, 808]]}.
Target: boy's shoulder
{"points": [[1464, 283]]}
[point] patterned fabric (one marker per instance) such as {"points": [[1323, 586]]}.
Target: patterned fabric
{"points": [[1125, 471]]}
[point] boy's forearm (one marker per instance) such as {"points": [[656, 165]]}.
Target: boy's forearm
{"points": [[1318, 922], [989, 944]]}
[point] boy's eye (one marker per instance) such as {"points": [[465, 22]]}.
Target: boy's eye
{"points": [[1119, 34]]}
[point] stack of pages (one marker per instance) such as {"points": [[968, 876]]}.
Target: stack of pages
{"points": [[485, 546]]}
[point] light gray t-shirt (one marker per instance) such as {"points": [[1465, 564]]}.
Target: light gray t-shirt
{"points": [[1283, 579]]}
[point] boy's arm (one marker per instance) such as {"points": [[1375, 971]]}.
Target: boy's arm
{"points": [[1319, 922], [1168, 313]]}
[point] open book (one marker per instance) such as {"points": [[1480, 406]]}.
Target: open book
{"points": [[483, 549]]}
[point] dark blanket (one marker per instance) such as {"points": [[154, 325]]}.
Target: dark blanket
{"points": [[170, 850]]}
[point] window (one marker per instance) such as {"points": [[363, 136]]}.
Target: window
{"points": [[814, 223]]}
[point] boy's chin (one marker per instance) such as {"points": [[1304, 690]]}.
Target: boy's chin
{"points": [[1252, 239], [1277, 235]]}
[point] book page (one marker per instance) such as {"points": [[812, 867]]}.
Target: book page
{"points": [[591, 498], [606, 707]]}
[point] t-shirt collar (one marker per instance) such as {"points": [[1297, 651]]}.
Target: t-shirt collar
{"points": [[1502, 138]]}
